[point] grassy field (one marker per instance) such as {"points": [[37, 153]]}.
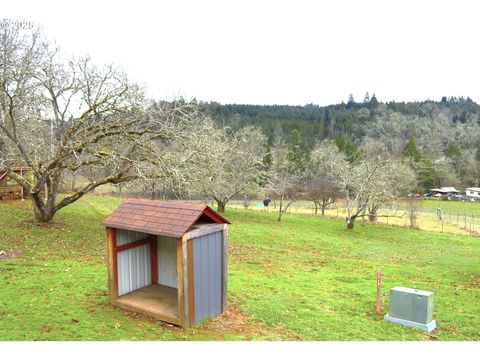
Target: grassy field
{"points": [[460, 217], [305, 278]]}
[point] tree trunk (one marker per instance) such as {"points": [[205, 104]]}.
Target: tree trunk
{"points": [[45, 210], [221, 206], [44, 217], [325, 203], [245, 202], [43, 214], [280, 209], [350, 222], [316, 208], [153, 191], [372, 212]]}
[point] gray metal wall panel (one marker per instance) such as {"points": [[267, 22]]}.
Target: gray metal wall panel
{"points": [[167, 261], [133, 265], [207, 274], [126, 236]]}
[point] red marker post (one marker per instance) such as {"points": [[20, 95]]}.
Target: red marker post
{"points": [[379, 284]]}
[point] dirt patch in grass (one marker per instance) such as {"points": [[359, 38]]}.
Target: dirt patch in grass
{"points": [[33, 224], [47, 329], [231, 324], [9, 254], [471, 282]]}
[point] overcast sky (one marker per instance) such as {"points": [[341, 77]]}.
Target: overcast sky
{"points": [[282, 52]]}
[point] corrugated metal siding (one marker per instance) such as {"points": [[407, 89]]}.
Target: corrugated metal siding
{"points": [[127, 237], [133, 264], [167, 261], [207, 274]]}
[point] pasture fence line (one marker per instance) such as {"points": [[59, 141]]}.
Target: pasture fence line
{"points": [[436, 218], [442, 217]]}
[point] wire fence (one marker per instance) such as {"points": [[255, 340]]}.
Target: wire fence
{"points": [[458, 219], [454, 217]]}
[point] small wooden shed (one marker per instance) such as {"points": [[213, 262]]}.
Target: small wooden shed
{"points": [[168, 260]]}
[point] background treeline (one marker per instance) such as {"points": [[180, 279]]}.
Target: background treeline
{"points": [[70, 119], [440, 139]]}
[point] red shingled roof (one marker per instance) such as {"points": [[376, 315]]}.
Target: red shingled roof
{"points": [[167, 218]]}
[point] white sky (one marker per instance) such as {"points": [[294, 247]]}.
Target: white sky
{"points": [[282, 52]]}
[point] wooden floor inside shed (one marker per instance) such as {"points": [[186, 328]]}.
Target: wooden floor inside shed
{"points": [[156, 300]]}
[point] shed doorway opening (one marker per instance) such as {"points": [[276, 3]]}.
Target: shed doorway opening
{"points": [[147, 273]]}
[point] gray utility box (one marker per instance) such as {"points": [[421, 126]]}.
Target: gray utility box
{"points": [[411, 307]]}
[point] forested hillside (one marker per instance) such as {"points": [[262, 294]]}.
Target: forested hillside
{"points": [[440, 139]]}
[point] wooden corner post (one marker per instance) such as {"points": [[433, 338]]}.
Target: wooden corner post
{"points": [[154, 258], [112, 263], [182, 277], [191, 288], [186, 295], [225, 268]]}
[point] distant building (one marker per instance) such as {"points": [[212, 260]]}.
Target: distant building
{"points": [[445, 191], [473, 192]]}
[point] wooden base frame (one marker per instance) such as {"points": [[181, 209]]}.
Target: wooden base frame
{"points": [[155, 300]]}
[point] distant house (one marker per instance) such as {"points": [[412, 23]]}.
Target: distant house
{"points": [[473, 192], [445, 191]]}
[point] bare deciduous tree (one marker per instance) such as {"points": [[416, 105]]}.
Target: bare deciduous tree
{"points": [[398, 179], [414, 207], [73, 117], [285, 187], [233, 165], [322, 191], [363, 182], [322, 184], [286, 180]]}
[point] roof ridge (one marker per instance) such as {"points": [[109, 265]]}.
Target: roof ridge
{"points": [[161, 203]]}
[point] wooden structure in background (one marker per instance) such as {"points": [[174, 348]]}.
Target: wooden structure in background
{"points": [[167, 260], [10, 190]]}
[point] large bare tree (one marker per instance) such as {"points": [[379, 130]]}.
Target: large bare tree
{"points": [[322, 185], [365, 182], [397, 179], [286, 187], [65, 117], [233, 165], [322, 190], [286, 177]]}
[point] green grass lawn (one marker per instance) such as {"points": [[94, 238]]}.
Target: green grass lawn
{"points": [[461, 207], [459, 217], [304, 278]]}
